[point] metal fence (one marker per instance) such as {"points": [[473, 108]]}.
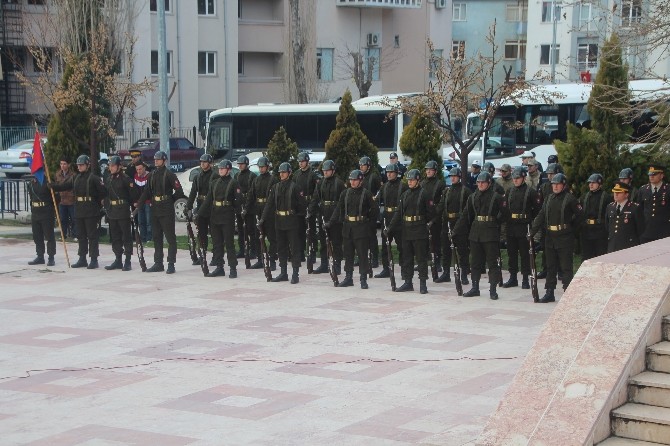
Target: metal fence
{"points": [[12, 135], [13, 197]]}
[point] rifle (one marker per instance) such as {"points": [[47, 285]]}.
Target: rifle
{"points": [[457, 264], [247, 239], [433, 257], [310, 246], [264, 253], [386, 240], [499, 262], [202, 252], [192, 243], [329, 250], [533, 270], [138, 245]]}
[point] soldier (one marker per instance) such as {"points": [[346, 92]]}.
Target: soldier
{"points": [[544, 177], [246, 221], [545, 191], [163, 189], [42, 221], [561, 216], [523, 203], [533, 177], [256, 201], [483, 214], [626, 176], [432, 187], [135, 160], [220, 205], [411, 219], [89, 192], [389, 197], [66, 204], [526, 157], [654, 198], [306, 180], [285, 205], [199, 190], [324, 203], [594, 232], [491, 169], [454, 199], [355, 210], [625, 222], [393, 159], [372, 182], [505, 180], [475, 170], [121, 195]]}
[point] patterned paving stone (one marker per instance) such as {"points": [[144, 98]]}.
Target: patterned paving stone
{"points": [[110, 436]]}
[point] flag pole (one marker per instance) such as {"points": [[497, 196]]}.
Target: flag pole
{"points": [[53, 199]]}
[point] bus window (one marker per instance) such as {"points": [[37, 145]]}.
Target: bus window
{"points": [[303, 129], [474, 126], [267, 126], [582, 116], [380, 133], [501, 137], [325, 125], [245, 130], [218, 140]]}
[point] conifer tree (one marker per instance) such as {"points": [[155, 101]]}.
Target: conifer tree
{"points": [[421, 141], [282, 149]]}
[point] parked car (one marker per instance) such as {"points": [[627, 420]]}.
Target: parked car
{"points": [[183, 154], [186, 180]]}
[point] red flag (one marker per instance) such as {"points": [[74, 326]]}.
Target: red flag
{"points": [[37, 162]]}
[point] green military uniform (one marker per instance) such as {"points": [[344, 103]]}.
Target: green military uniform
{"points": [[256, 201], [246, 222], [121, 193], [199, 190], [594, 231], [305, 180], [372, 181], [389, 199], [323, 205], [433, 188], [523, 203], [42, 221]]}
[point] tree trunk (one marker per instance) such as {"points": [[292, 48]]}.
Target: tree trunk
{"points": [[298, 46]]}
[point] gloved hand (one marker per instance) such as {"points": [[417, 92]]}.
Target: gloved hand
{"points": [[134, 213], [50, 185]]}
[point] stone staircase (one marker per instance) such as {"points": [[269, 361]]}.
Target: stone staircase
{"points": [[645, 419]]}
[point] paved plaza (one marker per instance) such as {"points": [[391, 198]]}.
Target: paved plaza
{"points": [[131, 358]]}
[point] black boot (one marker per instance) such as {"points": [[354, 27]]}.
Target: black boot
{"points": [[375, 259], [233, 273], [115, 265], [407, 286], [258, 264], [364, 282], [156, 268], [93, 264], [548, 296], [525, 285], [338, 267], [542, 274], [240, 253], [438, 264], [211, 262], [294, 277], [423, 288], [81, 263], [51, 261], [323, 268], [126, 264], [217, 272], [273, 265], [512, 282], [474, 291], [444, 277], [39, 260], [348, 281], [492, 292], [383, 274], [283, 276], [170, 268], [464, 278]]}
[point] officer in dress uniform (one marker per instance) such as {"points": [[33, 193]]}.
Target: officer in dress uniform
{"points": [[523, 203], [625, 222], [355, 210], [89, 192], [389, 197], [42, 221], [453, 201], [561, 216], [121, 194], [654, 198], [411, 218], [305, 179], [432, 187], [220, 205], [402, 169], [163, 188], [246, 221], [286, 206], [373, 183], [199, 190], [626, 176], [256, 201], [323, 204], [594, 231]]}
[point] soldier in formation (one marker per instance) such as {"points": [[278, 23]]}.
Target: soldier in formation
{"points": [[389, 197], [305, 180], [594, 231], [199, 190], [373, 183], [432, 187], [256, 201], [246, 221], [624, 219], [42, 222], [121, 194]]}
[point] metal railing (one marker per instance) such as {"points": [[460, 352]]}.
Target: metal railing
{"points": [[12, 135], [14, 197]]}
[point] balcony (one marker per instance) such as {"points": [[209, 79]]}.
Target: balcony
{"points": [[406, 4]]}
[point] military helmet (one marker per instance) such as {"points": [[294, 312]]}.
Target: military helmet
{"points": [[225, 164], [243, 159], [263, 162], [552, 159], [392, 168], [484, 177], [505, 168], [553, 168], [626, 173], [519, 172], [455, 172], [303, 156], [114, 161], [432, 164], [206, 158], [356, 175], [285, 167], [160, 155], [365, 161], [413, 174], [559, 179], [83, 159], [595, 178], [488, 166], [328, 165]]}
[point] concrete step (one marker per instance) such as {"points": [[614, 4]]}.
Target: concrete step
{"points": [[666, 328], [618, 441], [658, 357], [642, 422], [652, 388]]}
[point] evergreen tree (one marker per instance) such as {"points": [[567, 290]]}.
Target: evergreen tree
{"points": [[421, 141], [60, 143], [347, 143], [581, 156], [282, 149]]}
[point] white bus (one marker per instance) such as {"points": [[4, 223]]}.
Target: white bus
{"points": [[539, 124], [236, 131]]}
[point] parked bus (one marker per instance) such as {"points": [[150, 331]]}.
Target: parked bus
{"points": [[534, 126]]}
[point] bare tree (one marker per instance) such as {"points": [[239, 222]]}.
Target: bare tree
{"points": [[361, 67], [298, 49]]}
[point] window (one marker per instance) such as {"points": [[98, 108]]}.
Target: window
{"points": [[545, 58], [155, 118], [585, 16], [206, 62], [587, 56], [372, 57], [35, 2], [458, 49], [547, 15], [206, 7], [459, 12], [153, 5], [435, 62], [240, 64], [515, 49], [324, 64], [517, 12], [631, 12], [154, 63]]}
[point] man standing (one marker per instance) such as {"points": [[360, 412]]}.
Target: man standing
{"points": [[505, 179], [655, 201], [144, 215], [89, 192], [393, 159], [256, 202], [42, 221], [545, 191], [432, 187], [121, 195], [246, 221], [625, 222], [475, 170], [305, 179], [389, 198], [594, 232], [135, 160], [66, 205], [411, 220], [163, 189], [373, 183], [561, 216], [199, 190], [533, 177], [626, 176], [491, 169]]}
